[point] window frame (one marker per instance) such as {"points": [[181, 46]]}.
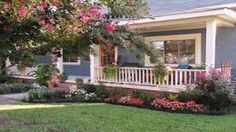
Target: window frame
{"points": [[70, 63], [198, 42]]}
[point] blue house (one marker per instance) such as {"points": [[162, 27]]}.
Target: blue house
{"points": [[187, 33]]}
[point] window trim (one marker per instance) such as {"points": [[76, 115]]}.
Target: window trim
{"points": [[71, 63], [198, 42]]}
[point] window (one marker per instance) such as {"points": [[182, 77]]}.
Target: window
{"points": [[178, 49], [70, 58]]}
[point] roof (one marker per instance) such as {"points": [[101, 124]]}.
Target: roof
{"points": [[167, 7]]}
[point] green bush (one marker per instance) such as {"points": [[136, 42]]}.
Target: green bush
{"points": [[117, 91], [139, 94], [214, 91], [4, 78], [90, 88], [15, 88], [44, 72], [102, 92], [46, 94]]}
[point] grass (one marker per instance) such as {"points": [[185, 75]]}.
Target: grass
{"points": [[101, 117]]}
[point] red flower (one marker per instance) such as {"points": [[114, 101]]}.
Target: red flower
{"points": [[22, 11], [110, 27]]}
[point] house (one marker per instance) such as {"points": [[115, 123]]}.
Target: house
{"points": [[186, 32]]}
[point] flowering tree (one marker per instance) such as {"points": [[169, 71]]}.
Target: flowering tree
{"points": [[36, 27]]}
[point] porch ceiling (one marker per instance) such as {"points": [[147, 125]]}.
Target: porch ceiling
{"points": [[189, 20]]}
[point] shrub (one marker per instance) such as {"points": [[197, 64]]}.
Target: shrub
{"points": [[78, 94], [79, 81], [62, 77], [102, 92], [117, 91], [139, 94], [90, 88], [41, 94], [213, 90], [44, 72], [178, 106], [15, 88], [4, 78]]}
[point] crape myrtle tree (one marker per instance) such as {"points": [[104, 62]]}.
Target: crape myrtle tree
{"points": [[37, 27]]}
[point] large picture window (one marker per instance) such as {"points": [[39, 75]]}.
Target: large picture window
{"points": [[178, 49]]}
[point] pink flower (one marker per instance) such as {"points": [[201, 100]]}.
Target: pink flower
{"points": [[85, 16], [42, 5], [41, 22], [48, 27], [6, 5], [110, 27], [95, 10], [22, 11]]}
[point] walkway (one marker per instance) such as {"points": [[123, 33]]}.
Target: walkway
{"points": [[11, 98]]}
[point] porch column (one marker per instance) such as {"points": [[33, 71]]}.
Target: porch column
{"points": [[211, 28], [93, 64], [60, 63]]}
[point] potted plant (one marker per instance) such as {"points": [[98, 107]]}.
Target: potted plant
{"points": [[62, 78], [21, 68], [110, 71], [160, 72], [79, 82]]}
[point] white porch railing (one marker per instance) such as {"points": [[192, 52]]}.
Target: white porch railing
{"points": [[145, 76]]}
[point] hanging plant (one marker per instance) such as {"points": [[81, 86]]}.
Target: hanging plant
{"points": [[160, 72], [110, 71]]}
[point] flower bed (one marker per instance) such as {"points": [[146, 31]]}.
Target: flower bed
{"points": [[100, 94], [131, 101], [178, 106]]}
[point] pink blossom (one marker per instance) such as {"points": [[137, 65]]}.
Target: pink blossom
{"points": [[22, 11], [6, 5], [42, 5], [85, 16], [48, 27], [110, 27], [95, 10], [127, 27], [41, 22]]}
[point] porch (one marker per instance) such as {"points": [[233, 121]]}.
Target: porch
{"points": [[193, 49], [144, 78]]}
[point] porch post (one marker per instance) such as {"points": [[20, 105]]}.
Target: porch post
{"points": [[93, 64], [60, 62], [211, 28]]}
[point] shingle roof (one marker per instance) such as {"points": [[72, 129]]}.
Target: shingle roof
{"points": [[165, 7]]}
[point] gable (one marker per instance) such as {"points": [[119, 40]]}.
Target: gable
{"points": [[165, 7]]}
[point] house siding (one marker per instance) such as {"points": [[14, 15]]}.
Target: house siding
{"points": [[82, 69], [226, 46]]}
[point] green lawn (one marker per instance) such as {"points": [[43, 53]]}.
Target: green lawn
{"points": [[106, 118]]}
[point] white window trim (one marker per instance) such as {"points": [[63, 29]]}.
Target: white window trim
{"points": [[198, 40], [71, 63]]}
